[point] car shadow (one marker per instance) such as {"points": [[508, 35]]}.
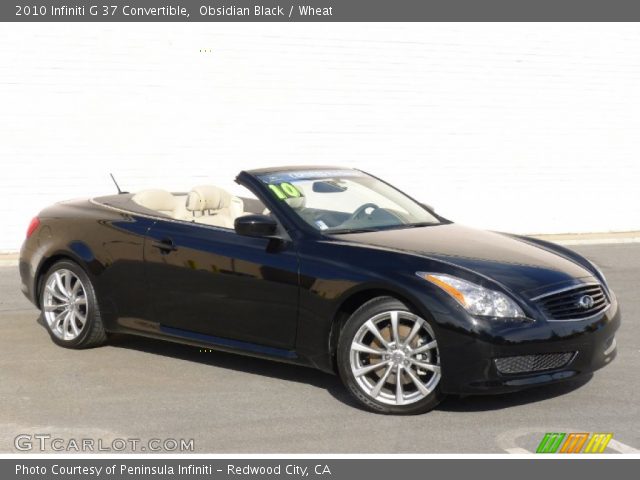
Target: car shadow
{"points": [[331, 383], [242, 363], [481, 403]]}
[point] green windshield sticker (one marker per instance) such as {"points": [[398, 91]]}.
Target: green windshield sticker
{"points": [[285, 190]]}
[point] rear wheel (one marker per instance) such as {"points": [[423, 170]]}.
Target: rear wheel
{"points": [[389, 360], [70, 308]]}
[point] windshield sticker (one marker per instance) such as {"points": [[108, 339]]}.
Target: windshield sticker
{"points": [[285, 190], [279, 177]]}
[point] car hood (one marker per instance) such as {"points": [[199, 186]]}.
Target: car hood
{"points": [[515, 263]]}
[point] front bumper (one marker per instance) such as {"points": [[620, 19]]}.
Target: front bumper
{"points": [[468, 358]]}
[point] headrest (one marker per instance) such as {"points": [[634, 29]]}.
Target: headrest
{"points": [[296, 202], [155, 199], [207, 197]]}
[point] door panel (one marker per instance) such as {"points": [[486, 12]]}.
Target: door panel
{"points": [[215, 282]]}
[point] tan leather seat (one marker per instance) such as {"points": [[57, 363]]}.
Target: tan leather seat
{"points": [[206, 204], [297, 203], [156, 199], [181, 212], [236, 209], [211, 205]]}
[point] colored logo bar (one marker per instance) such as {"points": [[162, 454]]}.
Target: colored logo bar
{"points": [[574, 442]]}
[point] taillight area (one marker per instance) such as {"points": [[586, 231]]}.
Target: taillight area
{"points": [[33, 225]]}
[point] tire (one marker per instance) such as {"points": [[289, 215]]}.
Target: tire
{"points": [[360, 348], [69, 307]]}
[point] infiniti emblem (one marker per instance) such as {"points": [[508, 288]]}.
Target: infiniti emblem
{"points": [[586, 302]]}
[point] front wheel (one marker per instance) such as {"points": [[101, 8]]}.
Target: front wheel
{"points": [[389, 360], [70, 307]]}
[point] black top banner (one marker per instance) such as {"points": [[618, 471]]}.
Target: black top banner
{"points": [[318, 10]]}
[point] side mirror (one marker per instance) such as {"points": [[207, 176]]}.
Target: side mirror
{"points": [[255, 226]]}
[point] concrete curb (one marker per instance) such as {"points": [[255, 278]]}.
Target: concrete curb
{"points": [[590, 238], [594, 241], [10, 259]]}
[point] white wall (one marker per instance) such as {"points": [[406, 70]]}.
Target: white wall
{"points": [[520, 127]]}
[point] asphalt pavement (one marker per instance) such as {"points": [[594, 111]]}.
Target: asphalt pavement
{"points": [[139, 389]]}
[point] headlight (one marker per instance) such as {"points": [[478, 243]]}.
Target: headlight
{"points": [[475, 299]]}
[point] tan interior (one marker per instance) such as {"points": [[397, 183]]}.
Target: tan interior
{"points": [[205, 204]]}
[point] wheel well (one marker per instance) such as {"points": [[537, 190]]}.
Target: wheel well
{"points": [[44, 267], [349, 306]]}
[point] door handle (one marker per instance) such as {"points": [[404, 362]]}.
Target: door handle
{"points": [[165, 246]]}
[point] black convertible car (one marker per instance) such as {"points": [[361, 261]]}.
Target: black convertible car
{"points": [[327, 267]]}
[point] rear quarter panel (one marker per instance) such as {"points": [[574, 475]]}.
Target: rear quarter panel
{"points": [[106, 242]]}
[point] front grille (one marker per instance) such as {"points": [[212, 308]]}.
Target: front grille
{"points": [[533, 363], [576, 303]]}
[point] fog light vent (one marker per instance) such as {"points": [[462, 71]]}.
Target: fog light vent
{"points": [[533, 363]]}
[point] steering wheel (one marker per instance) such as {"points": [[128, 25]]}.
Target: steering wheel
{"points": [[362, 210]]}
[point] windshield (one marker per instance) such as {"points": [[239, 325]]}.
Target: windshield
{"points": [[345, 201]]}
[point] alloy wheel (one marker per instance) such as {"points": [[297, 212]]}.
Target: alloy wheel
{"points": [[65, 304], [394, 358]]}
